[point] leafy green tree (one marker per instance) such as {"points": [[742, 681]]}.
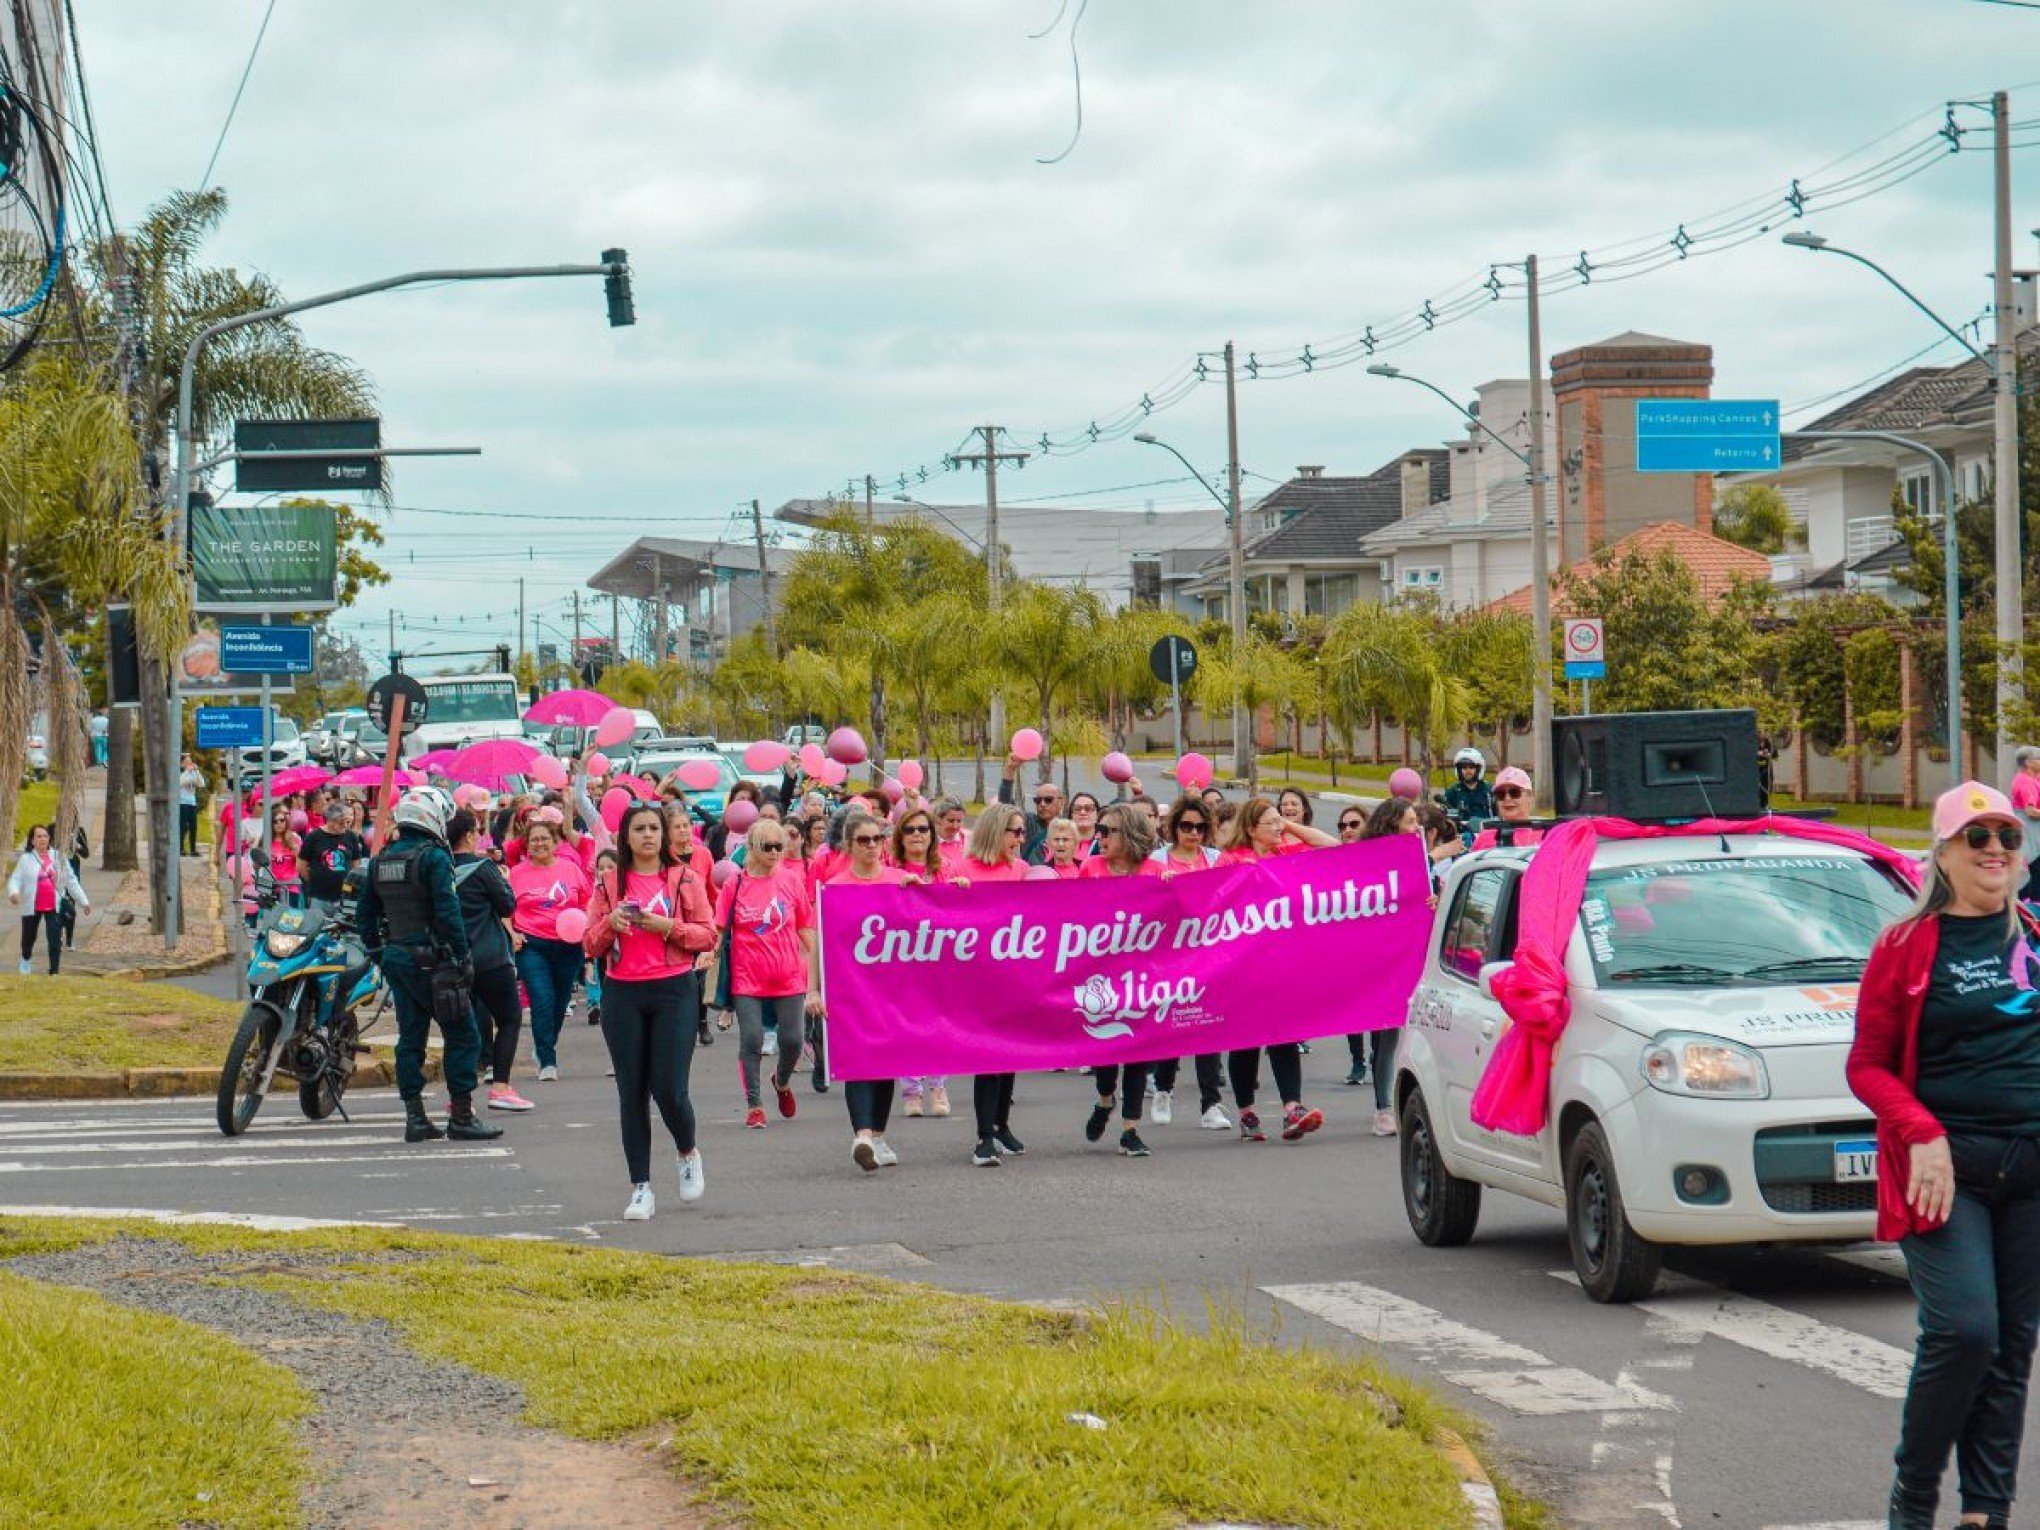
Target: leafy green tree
{"points": [[1489, 651], [1043, 636], [1754, 515], [1669, 648]]}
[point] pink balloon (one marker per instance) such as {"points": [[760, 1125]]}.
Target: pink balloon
{"points": [[1027, 744], [617, 724], [740, 816], [699, 775], [722, 871], [1406, 784], [766, 754], [846, 746], [912, 775], [300, 820], [572, 924], [1116, 767], [598, 765], [812, 760], [892, 789], [1040, 874], [547, 770], [1193, 772], [834, 773], [614, 801]]}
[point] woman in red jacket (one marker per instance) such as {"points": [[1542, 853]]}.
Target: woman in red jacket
{"points": [[1947, 1055]]}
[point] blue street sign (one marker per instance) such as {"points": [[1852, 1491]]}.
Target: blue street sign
{"points": [[266, 650], [1590, 670], [1706, 435], [229, 727]]}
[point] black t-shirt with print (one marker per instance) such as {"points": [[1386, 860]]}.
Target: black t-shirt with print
{"points": [[326, 857], [1980, 1032]]}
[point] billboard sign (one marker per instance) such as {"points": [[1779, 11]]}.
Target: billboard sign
{"points": [[264, 557], [313, 474]]}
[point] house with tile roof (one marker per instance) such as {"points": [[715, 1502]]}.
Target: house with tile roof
{"points": [[1717, 565]]}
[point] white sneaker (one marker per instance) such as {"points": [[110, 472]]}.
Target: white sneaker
{"points": [[641, 1205], [1216, 1120], [549, 1074], [24, 969], [1384, 1123], [771, 1046], [693, 1180], [882, 1150], [1161, 1108]]}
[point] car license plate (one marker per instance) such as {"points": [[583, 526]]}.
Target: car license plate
{"points": [[1855, 1159]]}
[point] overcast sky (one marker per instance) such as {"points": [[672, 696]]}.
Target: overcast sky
{"points": [[847, 252]]}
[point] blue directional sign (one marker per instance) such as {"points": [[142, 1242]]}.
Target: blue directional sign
{"points": [[266, 650], [229, 727], [1706, 435]]}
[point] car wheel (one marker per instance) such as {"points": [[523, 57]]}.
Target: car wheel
{"points": [[1442, 1207], [1614, 1263]]}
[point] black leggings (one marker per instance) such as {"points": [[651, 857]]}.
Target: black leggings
{"points": [[991, 1098], [1131, 1084], [1285, 1061], [649, 1027], [28, 928], [1208, 1093], [499, 1017], [870, 1101]]}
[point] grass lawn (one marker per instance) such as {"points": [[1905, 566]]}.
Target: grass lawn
{"points": [[801, 1397], [101, 1025], [116, 1417], [38, 804]]}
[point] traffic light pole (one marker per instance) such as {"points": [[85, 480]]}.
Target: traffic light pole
{"points": [[614, 268]]}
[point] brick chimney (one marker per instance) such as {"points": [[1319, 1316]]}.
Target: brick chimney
{"points": [[1311, 470], [1602, 498]]}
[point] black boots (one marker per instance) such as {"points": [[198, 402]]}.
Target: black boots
{"points": [[466, 1126], [418, 1126], [1912, 1509]]}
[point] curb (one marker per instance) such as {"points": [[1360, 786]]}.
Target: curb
{"points": [[1473, 1480], [172, 1083], [149, 972]]}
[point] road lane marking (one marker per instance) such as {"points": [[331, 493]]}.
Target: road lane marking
{"points": [[1483, 1363], [250, 1145], [413, 1157], [248, 1219]]}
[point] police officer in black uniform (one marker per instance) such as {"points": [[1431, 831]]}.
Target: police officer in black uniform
{"points": [[410, 921]]}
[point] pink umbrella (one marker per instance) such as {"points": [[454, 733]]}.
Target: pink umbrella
{"points": [[583, 709], [371, 775], [299, 778], [492, 761], [436, 759]]}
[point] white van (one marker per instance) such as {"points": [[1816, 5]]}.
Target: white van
{"points": [[465, 709]]}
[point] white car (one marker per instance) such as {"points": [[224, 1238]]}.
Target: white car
{"points": [[286, 748], [1697, 1091]]}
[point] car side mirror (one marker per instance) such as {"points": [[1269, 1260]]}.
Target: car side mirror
{"points": [[1488, 973]]}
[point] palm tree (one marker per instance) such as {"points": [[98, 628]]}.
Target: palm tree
{"points": [[1043, 640]]}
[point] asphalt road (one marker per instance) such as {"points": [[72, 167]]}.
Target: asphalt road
{"points": [[1758, 1389]]}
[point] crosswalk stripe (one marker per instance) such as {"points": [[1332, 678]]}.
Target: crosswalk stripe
{"points": [[1485, 1364], [251, 1145], [243, 1161], [1882, 1258]]}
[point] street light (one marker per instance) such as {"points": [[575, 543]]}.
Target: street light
{"points": [[1236, 582], [922, 504], [1540, 577], [2005, 552]]}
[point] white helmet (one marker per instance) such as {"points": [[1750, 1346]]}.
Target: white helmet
{"points": [[427, 808], [1469, 756]]}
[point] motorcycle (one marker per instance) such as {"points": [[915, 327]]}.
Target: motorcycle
{"points": [[309, 981]]}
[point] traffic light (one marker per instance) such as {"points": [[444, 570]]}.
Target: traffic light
{"points": [[503, 659], [616, 285]]}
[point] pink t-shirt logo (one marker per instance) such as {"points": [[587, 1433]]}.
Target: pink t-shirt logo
{"points": [[775, 916]]}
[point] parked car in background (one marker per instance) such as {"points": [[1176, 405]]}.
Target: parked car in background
{"points": [[805, 733], [1697, 1091], [37, 760], [764, 780], [359, 742], [708, 801], [321, 736], [286, 748]]}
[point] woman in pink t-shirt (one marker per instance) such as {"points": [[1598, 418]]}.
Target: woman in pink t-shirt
{"points": [[41, 882], [1128, 840], [1259, 833], [283, 854], [915, 851], [2026, 803], [952, 832], [1061, 853], [548, 881], [1186, 846], [771, 923], [993, 855], [869, 1100], [650, 917]]}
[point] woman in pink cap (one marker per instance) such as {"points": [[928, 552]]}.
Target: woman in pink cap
{"points": [[1512, 809], [1947, 1056]]}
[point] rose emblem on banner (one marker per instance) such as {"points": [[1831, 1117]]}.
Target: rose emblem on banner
{"points": [[1098, 1008]]}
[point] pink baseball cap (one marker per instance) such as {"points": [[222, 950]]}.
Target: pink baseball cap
{"points": [[1960, 806], [1513, 775]]}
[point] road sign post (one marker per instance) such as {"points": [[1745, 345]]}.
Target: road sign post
{"points": [[1706, 435], [266, 650], [228, 727], [1586, 655], [1174, 659]]}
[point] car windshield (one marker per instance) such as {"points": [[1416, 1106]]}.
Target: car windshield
{"points": [[284, 731], [1743, 920]]}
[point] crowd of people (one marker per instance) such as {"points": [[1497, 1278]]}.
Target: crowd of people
{"points": [[670, 929]]}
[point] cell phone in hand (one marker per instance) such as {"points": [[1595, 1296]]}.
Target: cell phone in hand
{"points": [[633, 910]]}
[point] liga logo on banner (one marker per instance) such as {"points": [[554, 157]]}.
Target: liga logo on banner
{"points": [[1009, 977]]}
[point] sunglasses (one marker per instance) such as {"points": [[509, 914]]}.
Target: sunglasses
{"points": [[867, 839], [1351, 823], [769, 846], [1508, 793], [1017, 832], [1978, 836], [1191, 826], [1046, 801], [918, 828]]}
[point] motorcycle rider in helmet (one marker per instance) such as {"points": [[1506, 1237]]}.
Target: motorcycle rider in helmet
{"points": [[409, 918], [1470, 799]]}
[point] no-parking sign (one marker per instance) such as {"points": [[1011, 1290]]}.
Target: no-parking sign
{"points": [[1586, 648]]}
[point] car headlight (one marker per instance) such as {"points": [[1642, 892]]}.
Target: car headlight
{"points": [[1706, 1067], [283, 943]]}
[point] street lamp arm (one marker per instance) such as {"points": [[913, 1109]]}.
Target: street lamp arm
{"points": [[921, 504], [1150, 440], [1470, 417], [1903, 290]]}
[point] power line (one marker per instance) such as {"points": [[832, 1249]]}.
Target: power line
{"points": [[235, 105]]}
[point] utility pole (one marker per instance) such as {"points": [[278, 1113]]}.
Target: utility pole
{"points": [[2011, 614], [615, 630], [765, 574], [1540, 565], [520, 621], [989, 459], [574, 658], [393, 637], [870, 492], [1236, 574]]}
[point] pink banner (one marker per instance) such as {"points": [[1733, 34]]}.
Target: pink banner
{"points": [[1009, 977]]}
